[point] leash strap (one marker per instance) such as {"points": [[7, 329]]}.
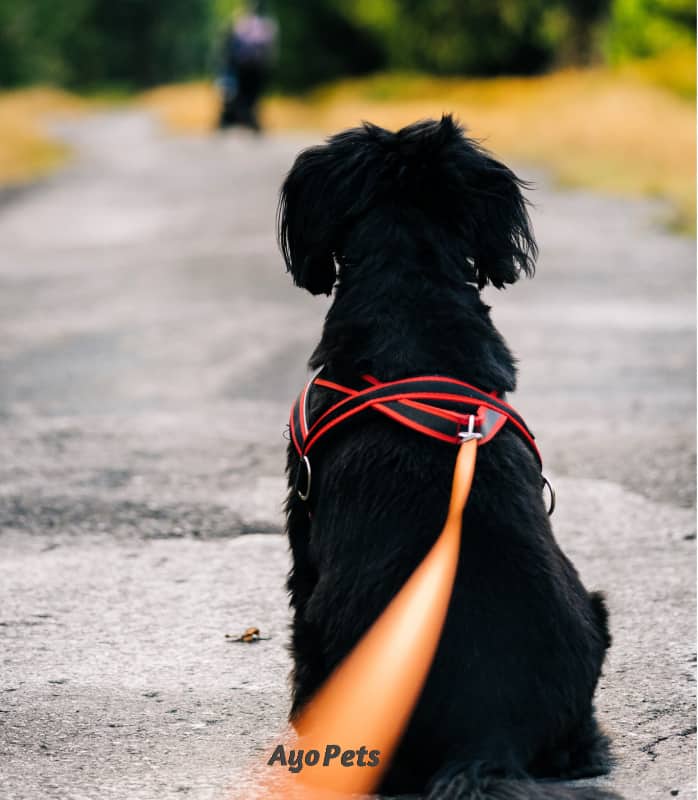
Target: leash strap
{"points": [[370, 695], [443, 408]]}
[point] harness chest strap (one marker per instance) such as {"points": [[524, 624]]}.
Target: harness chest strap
{"points": [[443, 408]]}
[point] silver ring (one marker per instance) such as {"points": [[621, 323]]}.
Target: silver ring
{"points": [[304, 496], [551, 507]]}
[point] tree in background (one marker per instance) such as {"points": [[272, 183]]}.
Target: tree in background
{"points": [[137, 43], [35, 37], [647, 27], [482, 37], [142, 42], [83, 43], [578, 30], [324, 39]]}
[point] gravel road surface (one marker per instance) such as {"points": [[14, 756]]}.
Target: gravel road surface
{"points": [[150, 346]]}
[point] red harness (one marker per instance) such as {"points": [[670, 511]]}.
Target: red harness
{"points": [[444, 408]]}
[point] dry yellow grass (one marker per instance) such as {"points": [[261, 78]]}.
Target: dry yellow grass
{"points": [[619, 131], [26, 147], [184, 107]]}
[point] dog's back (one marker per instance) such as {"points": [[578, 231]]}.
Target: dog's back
{"points": [[417, 222]]}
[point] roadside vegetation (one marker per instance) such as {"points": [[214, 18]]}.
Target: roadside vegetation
{"points": [[601, 92], [27, 148], [627, 129]]}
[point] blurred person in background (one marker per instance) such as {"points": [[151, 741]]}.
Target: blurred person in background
{"points": [[249, 51]]}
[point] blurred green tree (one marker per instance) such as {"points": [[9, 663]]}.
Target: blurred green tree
{"points": [[452, 37], [325, 39], [35, 37], [479, 37], [142, 42], [135, 43], [83, 43], [578, 43], [647, 27]]}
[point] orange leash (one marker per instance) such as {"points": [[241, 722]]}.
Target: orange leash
{"points": [[369, 698]]}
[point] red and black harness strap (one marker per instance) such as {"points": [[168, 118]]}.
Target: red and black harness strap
{"points": [[442, 408]]}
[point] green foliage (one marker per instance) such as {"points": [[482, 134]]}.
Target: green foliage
{"points": [[35, 36], [88, 43], [322, 40], [450, 37], [640, 28], [142, 42], [82, 43], [447, 37]]}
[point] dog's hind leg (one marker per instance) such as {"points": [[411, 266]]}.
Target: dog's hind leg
{"points": [[598, 605], [586, 751], [584, 754], [591, 752]]}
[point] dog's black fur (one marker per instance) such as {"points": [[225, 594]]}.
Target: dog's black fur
{"points": [[406, 227]]}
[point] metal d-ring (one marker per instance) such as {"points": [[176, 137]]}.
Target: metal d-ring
{"points": [[304, 495], [547, 483]]}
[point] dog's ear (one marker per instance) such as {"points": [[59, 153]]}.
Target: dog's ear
{"points": [[308, 221], [495, 216], [504, 247]]}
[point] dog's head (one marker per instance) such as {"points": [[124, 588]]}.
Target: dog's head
{"points": [[442, 185]]}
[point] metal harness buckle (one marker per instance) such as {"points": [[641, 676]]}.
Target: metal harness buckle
{"points": [[471, 433]]}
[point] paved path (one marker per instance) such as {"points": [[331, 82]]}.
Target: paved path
{"points": [[150, 346]]}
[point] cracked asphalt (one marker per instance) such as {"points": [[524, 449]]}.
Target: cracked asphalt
{"points": [[150, 346]]}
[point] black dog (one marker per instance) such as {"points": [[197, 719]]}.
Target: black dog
{"points": [[407, 227]]}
